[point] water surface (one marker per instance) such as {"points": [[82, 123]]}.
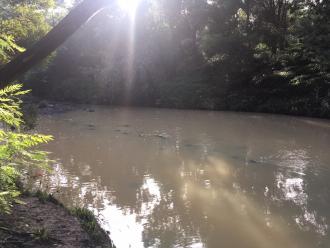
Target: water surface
{"points": [[174, 178]]}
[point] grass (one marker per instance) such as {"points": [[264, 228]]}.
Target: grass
{"points": [[42, 234], [42, 196], [90, 224], [45, 197], [88, 221]]}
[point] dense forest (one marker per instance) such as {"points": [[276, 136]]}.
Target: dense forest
{"points": [[164, 178], [243, 55]]}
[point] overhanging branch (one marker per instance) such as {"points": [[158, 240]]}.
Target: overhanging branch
{"points": [[61, 32]]}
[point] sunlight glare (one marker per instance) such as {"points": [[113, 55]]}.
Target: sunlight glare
{"points": [[129, 6]]}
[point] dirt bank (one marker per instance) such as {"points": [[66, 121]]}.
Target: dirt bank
{"points": [[41, 223]]}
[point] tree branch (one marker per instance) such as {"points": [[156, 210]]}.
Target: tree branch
{"points": [[61, 32]]}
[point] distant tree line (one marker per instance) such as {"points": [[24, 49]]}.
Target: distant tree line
{"points": [[243, 55]]}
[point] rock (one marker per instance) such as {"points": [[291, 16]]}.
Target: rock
{"points": [[192, 146], [159, 135], [162, 135], [53, 108], [252, 161], [90, 110], [91, 127], [43, 104]]}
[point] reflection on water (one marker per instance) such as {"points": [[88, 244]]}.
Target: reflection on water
{"points": [[168, 178]]}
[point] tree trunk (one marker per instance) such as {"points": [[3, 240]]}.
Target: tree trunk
{"points": [[61, 32]]}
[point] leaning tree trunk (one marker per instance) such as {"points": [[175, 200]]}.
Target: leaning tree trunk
{"points": [[71, 23]]}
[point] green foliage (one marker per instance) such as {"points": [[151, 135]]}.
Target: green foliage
{"points": [[91, 226], [40, 4], [10, 105], [83, 214], [26, 23], [26, 20], [17, 150], [42, 234], [8, 48], [89, 223], [45, 197], [251, 55], [8, 190]]}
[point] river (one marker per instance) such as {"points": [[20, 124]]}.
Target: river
{"points": [[178, 178]]}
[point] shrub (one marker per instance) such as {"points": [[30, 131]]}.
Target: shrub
{"points": [[17, 149]]}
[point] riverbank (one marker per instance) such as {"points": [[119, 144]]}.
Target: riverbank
{"points": [[49, 107], [40, 221]]}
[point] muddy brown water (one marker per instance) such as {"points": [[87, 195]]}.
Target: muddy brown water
{"points": [[175, 178]]}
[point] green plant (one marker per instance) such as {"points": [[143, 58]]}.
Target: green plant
{"points": [[89, 224], [42, 196], [8, 47], [45, 197], [88, 220], [17, 149], [42, 234], [83, 214]]}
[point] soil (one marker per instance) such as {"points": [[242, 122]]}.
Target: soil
{"points": [[40, 225]]}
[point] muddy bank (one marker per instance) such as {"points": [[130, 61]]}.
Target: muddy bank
{"points": [[48, 108], [41, 223]]}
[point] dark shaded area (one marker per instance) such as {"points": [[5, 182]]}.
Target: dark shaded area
{"points": [[242, 55], [263, 56]]}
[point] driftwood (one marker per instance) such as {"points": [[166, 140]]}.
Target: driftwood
{"points": [[61, 32]]}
